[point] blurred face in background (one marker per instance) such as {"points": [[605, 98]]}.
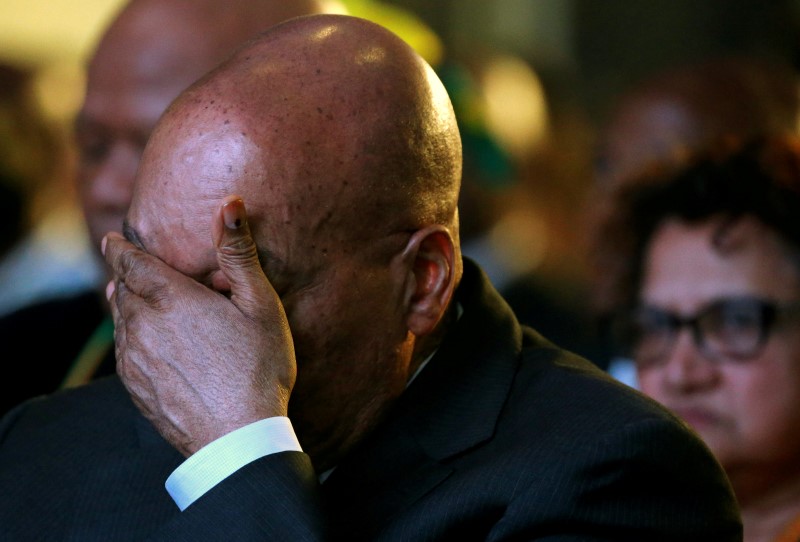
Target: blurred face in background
{"points": [[139, 67], [717, 339]]}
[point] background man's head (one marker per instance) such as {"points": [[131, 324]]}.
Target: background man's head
{"points": [[152, 51], [664, 118]]}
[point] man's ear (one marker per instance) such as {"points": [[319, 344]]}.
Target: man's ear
{"points": [[429, 259]]}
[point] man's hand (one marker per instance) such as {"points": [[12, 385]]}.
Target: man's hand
{"points": [[197, 364]]}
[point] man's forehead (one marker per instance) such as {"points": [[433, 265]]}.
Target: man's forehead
{"points": [[191, 162], [179, 234], [189, 251], [202, 149]]}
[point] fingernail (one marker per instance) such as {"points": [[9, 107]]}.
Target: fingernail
{"points": [[110, 290], [103, 246], [233, 214]]}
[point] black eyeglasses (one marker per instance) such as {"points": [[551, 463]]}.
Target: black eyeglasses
{"points": [[735, 328]]}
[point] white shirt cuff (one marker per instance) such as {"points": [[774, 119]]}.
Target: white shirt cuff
{"points": [[224, 456]]}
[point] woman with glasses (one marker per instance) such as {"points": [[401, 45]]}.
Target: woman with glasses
{"points": [[698, 275]]}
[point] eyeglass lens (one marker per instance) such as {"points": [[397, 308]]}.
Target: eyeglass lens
{"points": [[728, 328]]}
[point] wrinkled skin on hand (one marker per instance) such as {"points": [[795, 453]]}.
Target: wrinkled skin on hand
{"points": [[196, 363]]}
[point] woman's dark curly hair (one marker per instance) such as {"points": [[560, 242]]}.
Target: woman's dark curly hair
{"points": [[759, 178]]}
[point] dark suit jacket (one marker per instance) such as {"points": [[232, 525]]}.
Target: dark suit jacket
{"points": [[41, 342], [502, 437]]}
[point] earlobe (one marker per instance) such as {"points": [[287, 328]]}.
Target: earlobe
{"points": [[430, 256]]}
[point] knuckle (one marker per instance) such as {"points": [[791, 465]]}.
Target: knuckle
{"points": [[241, 251], [128, 262]]}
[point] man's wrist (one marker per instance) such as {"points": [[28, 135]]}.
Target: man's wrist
{"points": [[224, 456]]}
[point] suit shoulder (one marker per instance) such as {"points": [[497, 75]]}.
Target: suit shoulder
{"points": [[575, 387], [100, 406]]}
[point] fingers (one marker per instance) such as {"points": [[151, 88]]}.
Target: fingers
{"points": [[142, 274], [140, 281], [237, 256]]}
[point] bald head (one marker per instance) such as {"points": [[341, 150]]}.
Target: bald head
{"points": [[332, 118], [152, 51], [344, 146]]}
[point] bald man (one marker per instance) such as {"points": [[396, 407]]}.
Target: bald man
{"points": [[305, 355], [151, 51]]}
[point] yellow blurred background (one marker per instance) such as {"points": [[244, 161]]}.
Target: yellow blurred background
{"points": [[53, 38]]}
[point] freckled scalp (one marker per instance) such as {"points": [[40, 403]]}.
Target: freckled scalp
{"points": [[348, 119]]}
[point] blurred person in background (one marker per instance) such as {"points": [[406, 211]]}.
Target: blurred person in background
{"points": [[700, 268], [669, 114], [41, 250], [514, 220], [665, 117], [151, 51]]}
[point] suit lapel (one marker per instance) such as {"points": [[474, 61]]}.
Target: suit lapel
{"points": [[452, 406]]}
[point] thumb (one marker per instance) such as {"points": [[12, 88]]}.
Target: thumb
{"points": [[237, 257]]}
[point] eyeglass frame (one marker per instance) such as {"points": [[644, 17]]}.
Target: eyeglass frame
{"points": [[770, 312]]}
